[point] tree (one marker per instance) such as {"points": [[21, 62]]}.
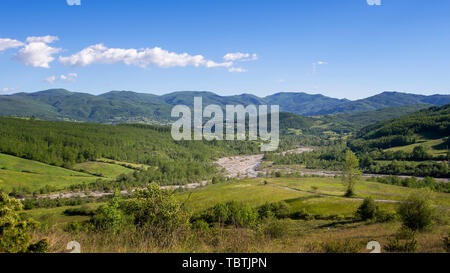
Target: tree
{"points": [[109, 217], [158, 213], [14, 231], [367, 210], [350, 172], [417, 211]]}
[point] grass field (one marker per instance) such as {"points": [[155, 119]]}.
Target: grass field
{"points": [[102, 169], [435, 147], [17, 172], [302, 235]]}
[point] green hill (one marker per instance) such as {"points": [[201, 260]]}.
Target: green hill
{"points": [[132, 107], [28, 175], [428, 124]]}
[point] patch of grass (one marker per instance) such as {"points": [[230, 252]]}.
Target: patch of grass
{"points": [[102, 169], [333, 186], [17, 172], [250, 191], [435, 147]]}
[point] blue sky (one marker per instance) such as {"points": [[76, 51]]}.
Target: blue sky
{"points": [[340, 48]]}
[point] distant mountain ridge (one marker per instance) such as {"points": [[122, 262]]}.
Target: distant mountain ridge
{"points": [[128, 106]]}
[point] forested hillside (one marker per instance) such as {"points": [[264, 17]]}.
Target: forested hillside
{"points": [[67, 143], [431, 123], [132, 107]]}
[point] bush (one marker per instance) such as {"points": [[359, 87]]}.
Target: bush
{"points": [[446, 241], [404, 242], [231, 213], [276, 228], [41, 246], [417, 211], [278, 210], [158, 213], [73, 227], [382, 216], [108, 217], [201, 225], [83, 211], [367, 210], [14, 230], [347, 246]]}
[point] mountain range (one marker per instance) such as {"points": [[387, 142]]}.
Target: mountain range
{"points": [[128, 106]]}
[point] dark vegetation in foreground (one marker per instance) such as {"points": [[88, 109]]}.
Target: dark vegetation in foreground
{"points": [[167, 224]]}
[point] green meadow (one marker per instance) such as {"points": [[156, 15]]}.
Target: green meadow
{"points": [[17, 172]]}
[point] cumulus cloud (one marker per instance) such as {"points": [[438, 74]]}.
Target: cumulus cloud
{"points": [[71, 77], [42, 39], [6, 89], [6, 43], [374, 2], [237, 69], [240, 56], [37, 52], [74, 2], [50, 79], [100, 54]]}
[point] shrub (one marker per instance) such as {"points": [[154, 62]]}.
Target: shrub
{"points": [[383, 216], [347, 246], [417, 211], [73, 227], [367, 210], [276, 228], [83, 211], [404, 241], [158, 213], [446, 241], [278, 210], [109, 217], [14, 230]]}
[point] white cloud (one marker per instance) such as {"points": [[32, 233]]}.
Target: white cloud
{"points": [[9, 89], [42, 39], [73, 2], [50, 79], [37, 53], [315, 64], [374, 2], [280, 80], [240, 56], [100, 54], [9, 43], [71, 77], [237, 69]]}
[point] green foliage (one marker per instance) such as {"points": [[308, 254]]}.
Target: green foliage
{"points": [[66, 144], [109, 217], [433, 122], [277, 210], [350, 172], [367, 210], [73, 227], [347, 246], [231, 213], [157, 212], [417, 211], [276, 228], [446, 242], [14, 231], [412, 182], [403, 241]]}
